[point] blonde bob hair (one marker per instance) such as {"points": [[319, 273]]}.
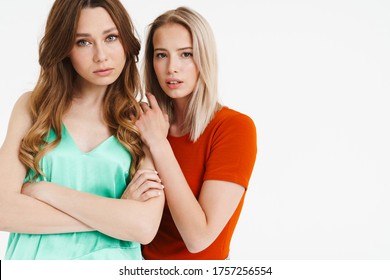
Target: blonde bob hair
{"points": [[203, 102], [53, 93]]}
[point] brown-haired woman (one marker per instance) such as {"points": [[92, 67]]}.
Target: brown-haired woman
{"points": [[73, 143]]}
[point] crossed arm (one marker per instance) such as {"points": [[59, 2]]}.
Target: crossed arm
{"points": [[44, 207]]}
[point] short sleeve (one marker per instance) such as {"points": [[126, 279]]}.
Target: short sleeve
{"points": [[233, 151]]}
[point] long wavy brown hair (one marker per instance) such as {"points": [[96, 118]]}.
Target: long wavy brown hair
{"points": [[53, 92]]}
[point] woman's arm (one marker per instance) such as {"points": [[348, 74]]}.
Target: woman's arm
{"points": [[145, 183], [125, 219], [136, 217], [198, 221], [18, 212]]}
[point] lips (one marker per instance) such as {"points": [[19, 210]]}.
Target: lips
{"points": [[103, 72], [173, 83]]}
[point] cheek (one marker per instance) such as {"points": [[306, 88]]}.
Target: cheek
{"points": [[77, 59], [193, 70], [122, 61], [119, 52], [158, 69]]}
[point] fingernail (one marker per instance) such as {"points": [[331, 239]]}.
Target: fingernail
{"points": [[162, 186]]}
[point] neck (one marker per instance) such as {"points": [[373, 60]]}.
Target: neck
{"points": [[180, 109], [89, 95]]}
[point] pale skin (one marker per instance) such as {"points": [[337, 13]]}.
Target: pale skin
{"points": [[44, 207], [199, 221]]}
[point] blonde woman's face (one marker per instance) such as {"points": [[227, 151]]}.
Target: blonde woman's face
{"points": [[97, 55], [173, 61]]}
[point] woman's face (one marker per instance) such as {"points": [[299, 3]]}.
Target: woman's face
{"points": [[173, 61], [97, 55]]}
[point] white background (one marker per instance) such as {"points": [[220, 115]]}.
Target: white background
{"points": [[314, 76]]}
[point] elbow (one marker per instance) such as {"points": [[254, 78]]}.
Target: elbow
{"points": [[145, 228], [198, 241], [143, 233], [150, 222], [141, 237], [195, 248], [145, 236], [198, 245], [148, 232], [146, 239]]}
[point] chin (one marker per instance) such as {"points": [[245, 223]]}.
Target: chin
{"points": [[105, 82]]}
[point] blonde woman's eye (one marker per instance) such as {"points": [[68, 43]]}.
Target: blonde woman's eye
{"points": [[187, 54], [161, 55], [83, 43]]}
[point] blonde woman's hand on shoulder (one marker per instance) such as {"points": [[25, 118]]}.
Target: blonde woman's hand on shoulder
{"points": [[153, 122]]}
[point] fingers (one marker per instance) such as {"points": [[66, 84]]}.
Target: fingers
{"points": [[152, 101], [144, 106], [132, 118], [152, 106], [150, 194], [146, 191], [143, 181], [148, 186], [145, 174]]}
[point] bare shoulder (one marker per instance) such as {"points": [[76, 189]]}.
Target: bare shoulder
{"points": [[20, 121], [22, 104], [21, 111]]}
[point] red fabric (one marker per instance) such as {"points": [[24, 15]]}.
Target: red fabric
{"points": [[225, 151]]}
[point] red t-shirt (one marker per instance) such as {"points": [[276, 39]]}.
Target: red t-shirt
{"points": [[225, 151]]}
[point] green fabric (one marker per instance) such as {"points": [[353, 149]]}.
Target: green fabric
{"points": [[103, 171]]}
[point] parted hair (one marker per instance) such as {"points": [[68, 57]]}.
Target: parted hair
{"points": [[203, 102], [54, 90]]}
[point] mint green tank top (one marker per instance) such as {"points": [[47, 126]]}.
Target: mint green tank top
{"points": [[103, 171]]}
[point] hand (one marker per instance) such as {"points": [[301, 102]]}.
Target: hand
{"points": [[153, 123], [145, 185]]}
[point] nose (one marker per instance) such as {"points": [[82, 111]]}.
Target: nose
{"points": [[173, 65], [100, 54]]}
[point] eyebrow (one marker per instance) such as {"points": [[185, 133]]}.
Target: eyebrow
{"points": [[180, 49], [89, 35]]}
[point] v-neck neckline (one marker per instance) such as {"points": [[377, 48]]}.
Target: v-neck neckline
{"points": [[77, 146]]}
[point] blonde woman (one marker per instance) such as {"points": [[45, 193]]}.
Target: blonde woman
{"points": [[204, 152], [73, 143]]}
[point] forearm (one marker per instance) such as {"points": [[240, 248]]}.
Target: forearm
{"points": [[188, 214], [23, 214], [119, 218], [195, 219]]}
